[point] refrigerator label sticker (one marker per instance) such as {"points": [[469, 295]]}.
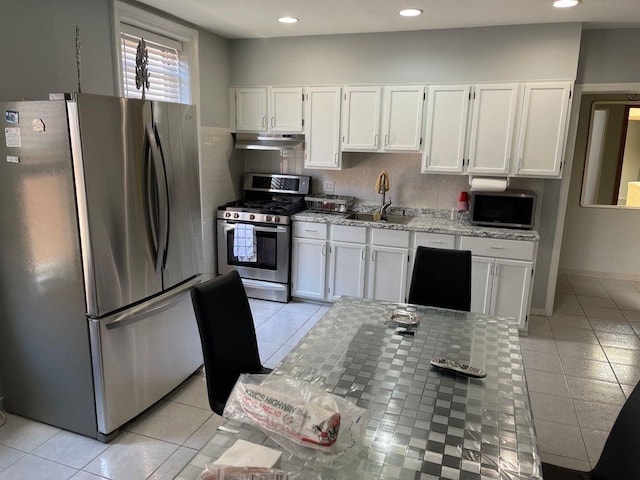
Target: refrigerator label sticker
{"points": [[11, 116], [12, 137], [13, 159]]}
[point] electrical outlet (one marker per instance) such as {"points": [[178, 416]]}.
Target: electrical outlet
{"points": [[329, 185]]}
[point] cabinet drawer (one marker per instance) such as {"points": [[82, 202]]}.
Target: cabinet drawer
{"points": [[310, 230], [390, 238], [499, 248], [435, 240], [346, 233]]}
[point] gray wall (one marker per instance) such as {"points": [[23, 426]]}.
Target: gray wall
{"points": [[519, 53], [600, 240], [516, 53], [38, 47], [609, 56], [38, 54]]}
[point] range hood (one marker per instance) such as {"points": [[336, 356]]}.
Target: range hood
{"points": [[269, 141]]}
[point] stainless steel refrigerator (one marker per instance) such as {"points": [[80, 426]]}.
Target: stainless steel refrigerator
{"points": [[100, 234]]}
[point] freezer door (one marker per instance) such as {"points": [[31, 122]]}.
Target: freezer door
{"points": [[175, 125], [141, 354], [120, 213]]}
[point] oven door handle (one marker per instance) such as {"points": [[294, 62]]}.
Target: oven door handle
{"points": [[229, 227]]}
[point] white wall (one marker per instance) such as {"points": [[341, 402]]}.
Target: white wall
{"points": [[516, 53]]}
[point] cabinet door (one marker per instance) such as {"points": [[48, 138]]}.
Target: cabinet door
{"points": [[323, 132], [492, 126], [481, 283], [285, 109], [251, 109], [346, 270], [403, 118], [543, 129], [445, 129], [511, 282], [361, 118], [388, 273], [308, 268]]}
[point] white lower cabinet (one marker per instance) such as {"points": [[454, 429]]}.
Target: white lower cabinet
{"points": [[309, 267], [501, 286], [387, 273], [309, 260], [388, 264], [346, 270]]}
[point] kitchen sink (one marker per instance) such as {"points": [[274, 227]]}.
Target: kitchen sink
{"points": [[371, 217]]}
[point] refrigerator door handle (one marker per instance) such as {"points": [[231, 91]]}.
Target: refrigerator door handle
{"points": [[159, 230], [164, 203], [151, 307]]}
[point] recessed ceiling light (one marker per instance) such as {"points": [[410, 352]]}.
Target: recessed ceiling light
{"points": [[566, 3], [288, 20], [410, 12]]}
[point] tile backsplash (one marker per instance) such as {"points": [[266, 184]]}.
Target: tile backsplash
{"points": [[408, 187]]}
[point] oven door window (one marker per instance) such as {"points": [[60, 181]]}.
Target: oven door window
{"points": [[266, 251]]}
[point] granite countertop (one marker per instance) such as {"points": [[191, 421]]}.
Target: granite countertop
{"points": [[432, 221]]}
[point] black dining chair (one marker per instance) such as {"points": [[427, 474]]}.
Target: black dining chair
{"points": [[621, 453], [441, 278], [227, 334]]}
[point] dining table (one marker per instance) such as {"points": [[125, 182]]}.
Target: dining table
{"points": [[423, 422]]}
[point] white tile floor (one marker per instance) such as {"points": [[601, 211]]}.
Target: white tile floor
{"points": [[580, 363], [158, 444]]}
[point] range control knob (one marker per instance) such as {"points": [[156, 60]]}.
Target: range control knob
{"points": [[252, 217], [276, 219], [236, 215], [268, 218], [227, 215]]}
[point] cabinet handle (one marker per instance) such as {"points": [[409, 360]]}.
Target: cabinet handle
{"points": [[373, 256], [273, 121], [324, 250], [362, 253], [497, 270], [426, 160], [264, 121], [310, 231], [336, 158], [493, 247], [386, 140], [437, 241], [375, 140]]}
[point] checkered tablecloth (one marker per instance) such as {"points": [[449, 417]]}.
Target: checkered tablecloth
{"points": [[424, 424]]}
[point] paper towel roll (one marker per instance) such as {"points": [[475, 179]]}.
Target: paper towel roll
{"points": [[488, 184]]}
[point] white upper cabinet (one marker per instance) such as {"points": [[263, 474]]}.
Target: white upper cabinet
{"points": [[361, 118], [285, 109], [445, 129], [273, 109], [251, 109], [400, 108], [543, 129], [402, 114], [492, 127], [322, 148]]}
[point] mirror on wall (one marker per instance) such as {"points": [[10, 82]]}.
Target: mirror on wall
{"points": [[612, 162]]}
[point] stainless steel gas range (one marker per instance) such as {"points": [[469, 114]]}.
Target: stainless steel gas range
{"points": [[254, 233]]}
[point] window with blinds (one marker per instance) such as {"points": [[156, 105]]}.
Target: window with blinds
{"points": [[168, 71]]}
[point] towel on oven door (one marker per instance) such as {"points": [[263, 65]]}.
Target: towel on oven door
{"points": [[244, 243]]}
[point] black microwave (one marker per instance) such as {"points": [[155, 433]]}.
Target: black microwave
{"points": [[510, 209]]}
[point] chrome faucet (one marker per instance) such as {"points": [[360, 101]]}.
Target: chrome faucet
{"points": [[383, 208]]}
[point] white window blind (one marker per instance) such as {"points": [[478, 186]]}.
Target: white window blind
{"points": [[168, 74]]}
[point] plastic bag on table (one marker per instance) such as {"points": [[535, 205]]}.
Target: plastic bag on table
{"points": [[322, 429], [217, 472]]}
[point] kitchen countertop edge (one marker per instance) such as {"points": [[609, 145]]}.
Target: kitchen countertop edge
{"points": [[423, 223]]}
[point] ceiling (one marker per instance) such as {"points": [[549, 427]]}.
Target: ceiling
{"points": [[257, 18]]}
